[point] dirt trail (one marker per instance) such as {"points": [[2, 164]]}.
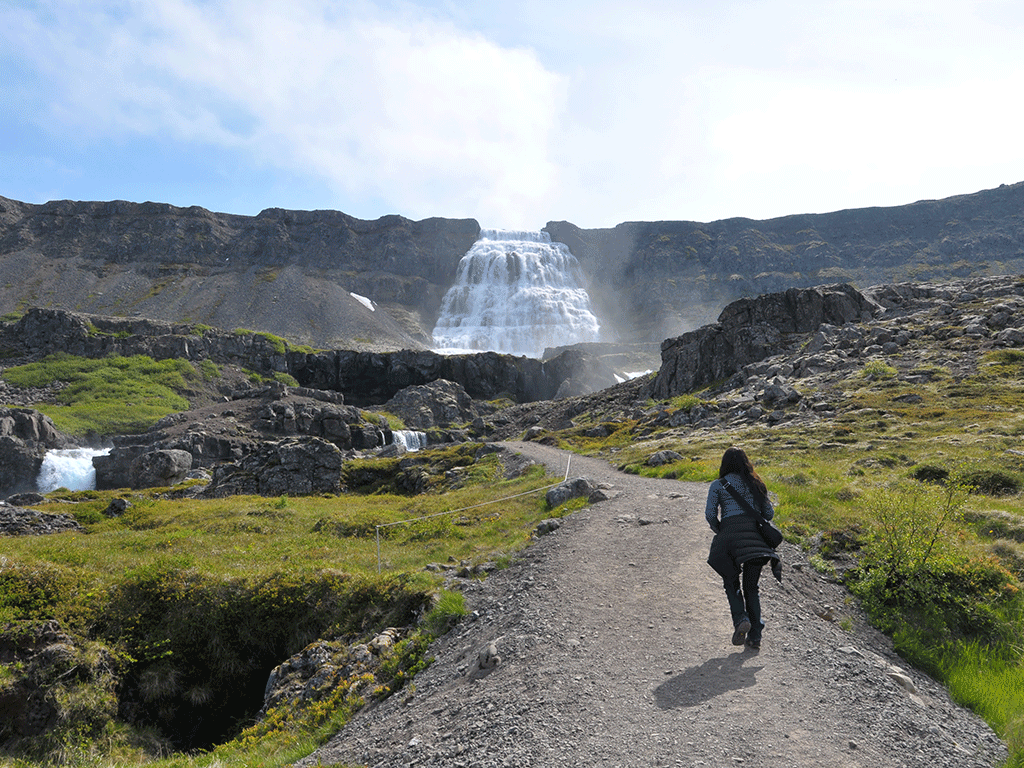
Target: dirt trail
{"points": [[614, 639]]}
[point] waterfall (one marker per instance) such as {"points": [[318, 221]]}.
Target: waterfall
{"points": [[409, 439], [69, 468], [515, 292]]}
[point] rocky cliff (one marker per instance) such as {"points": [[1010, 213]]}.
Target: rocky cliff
{"points": [[362, 378], [290, 273], [653, 280]]}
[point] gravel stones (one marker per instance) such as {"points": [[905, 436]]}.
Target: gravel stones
{"points": [[613, 639]]}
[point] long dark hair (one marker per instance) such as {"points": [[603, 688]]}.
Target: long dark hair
{"points": [[735, 460]]}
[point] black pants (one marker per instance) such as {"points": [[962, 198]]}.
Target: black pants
{"points": [[745, 603]]}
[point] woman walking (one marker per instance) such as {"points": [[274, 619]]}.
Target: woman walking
{"points": [[738, 551]]}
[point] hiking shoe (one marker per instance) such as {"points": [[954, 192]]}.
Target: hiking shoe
{"points": [[741, 632], [754, 642]]}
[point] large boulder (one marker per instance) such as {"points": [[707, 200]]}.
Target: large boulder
{"points": [[294, 467], [439, 403], [156, 469], [570, 489], [341, 424]]}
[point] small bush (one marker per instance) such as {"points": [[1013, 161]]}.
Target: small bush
{"points": [[685, 403], [993, 482], [876, 370]]}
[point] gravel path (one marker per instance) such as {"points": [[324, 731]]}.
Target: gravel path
{"points": [[614, 644]]}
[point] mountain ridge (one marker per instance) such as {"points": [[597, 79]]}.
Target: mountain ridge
{"points": [[293, 273]]}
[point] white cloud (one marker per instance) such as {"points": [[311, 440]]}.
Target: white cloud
{"points": [[514, 114], [436, 120]]}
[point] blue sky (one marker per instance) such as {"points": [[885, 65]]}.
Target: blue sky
{"points": [[511, 113]]}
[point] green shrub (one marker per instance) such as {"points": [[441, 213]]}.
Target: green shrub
{"points": [[914, 525], [876, 370], [685, 403], [209, 369]]}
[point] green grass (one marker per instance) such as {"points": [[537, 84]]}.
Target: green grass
{"points": [[192, 593], [944, 585], [951, 601], [106, 396], [993, 686]]}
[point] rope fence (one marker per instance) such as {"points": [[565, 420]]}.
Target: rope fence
{"points": [[568, 462]]}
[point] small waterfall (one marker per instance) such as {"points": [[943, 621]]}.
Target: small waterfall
{"points": [[69, 468], [409, 439], [517, 293]]}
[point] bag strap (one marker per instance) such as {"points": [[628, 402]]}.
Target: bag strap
{"points": [[742, 502]]}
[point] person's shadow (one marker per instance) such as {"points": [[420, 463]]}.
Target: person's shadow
{"points": [[714, 677]]}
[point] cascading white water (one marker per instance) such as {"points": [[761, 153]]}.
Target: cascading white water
{"points": [[409, 439], [517, 293], [69, 468]]}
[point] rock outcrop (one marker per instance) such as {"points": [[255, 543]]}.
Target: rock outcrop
{"points": [[362, 378], [441, 403], [49, 674], [44, 331], [156, 469], [293, 467], [320, 669], [19, 521], [749, 330], [231, 433], [918, 331], [25, 437], [367, 378]]}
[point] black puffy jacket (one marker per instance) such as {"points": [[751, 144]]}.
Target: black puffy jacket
{"points": [[738, 541]]}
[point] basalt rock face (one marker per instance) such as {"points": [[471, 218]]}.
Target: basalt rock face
{"points": [[44, 331], [653, 280], [286, 272], [367, 378], [293, 467], [25, 437], [361, 378], [752, 329], [292, 273]]}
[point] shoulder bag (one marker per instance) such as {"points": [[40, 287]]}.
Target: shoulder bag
{"points": [[772, 536]]}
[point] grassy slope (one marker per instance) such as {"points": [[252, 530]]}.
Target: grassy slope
{"points": [[828, 474], [195, 590], [893, 454]]}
